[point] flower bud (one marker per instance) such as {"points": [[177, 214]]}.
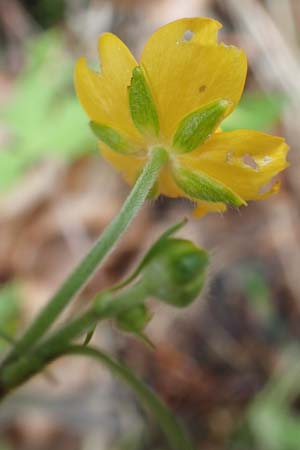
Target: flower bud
{"points": [[175, 274], [134, 320]]}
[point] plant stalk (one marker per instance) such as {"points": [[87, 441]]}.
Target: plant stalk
{"points": [[107, 305], [172, 429], [82, 273]]}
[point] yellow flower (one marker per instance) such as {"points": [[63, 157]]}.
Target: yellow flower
{"points": [[185, 84]]}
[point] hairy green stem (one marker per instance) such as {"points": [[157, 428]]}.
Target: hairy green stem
{"points": [[78, 278], [35, 363], [107, 305], [173, 431]]}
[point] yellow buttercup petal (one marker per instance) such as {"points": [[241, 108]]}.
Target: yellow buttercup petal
{"points": [[203, 208], [129, 166], [167, 185], [187, 73], [244, 160], [175, 98], [104, 95]]}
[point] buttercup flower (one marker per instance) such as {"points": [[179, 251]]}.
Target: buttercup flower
{"points": [[177, 96]]}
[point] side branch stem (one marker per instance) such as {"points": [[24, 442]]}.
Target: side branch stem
{"points": [[106, 305], [172, 429]]}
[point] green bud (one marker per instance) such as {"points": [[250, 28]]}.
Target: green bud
{"points": [[176, 271], [134, 320], [196, 127], [110, 137], [155, 248], [142, 106], [198, 185]]}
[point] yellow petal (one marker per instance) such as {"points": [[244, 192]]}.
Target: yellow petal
{"points": [[186, 74], [203, 208], [167, 185], [244, 160], [104, 95], [129, 166]]}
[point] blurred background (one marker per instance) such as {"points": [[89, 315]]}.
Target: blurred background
{"points": [[229, 365]]}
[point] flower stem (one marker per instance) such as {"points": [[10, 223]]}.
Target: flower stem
{"points": [[82, 273], [105, 305], [37, 362], [173, 431]]}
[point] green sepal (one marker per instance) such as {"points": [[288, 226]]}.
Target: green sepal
{"points": [[197, 126], [154, 249], [111, 138], [142, 107], [198, 185], [89, 336], [134, 320]]}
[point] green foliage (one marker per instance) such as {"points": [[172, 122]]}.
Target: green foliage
{"points": [[9, 312], [255, 111], [5, 446], [43, 118], [258, 294], [46, 12], [274, 415]]}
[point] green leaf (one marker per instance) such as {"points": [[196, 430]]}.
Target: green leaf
{"points": [[200, 186], [272, 415], [142, 106], [43, 117], [196, 127]]}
